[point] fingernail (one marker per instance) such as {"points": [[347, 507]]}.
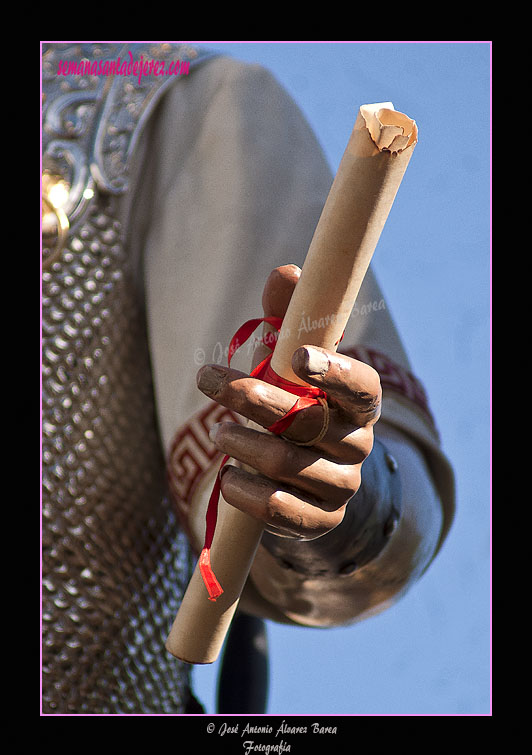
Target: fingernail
{"points": [[213, 432], [210, 379], [317, 362], [224, 469]]}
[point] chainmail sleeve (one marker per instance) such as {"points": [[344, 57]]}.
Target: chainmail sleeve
{"points": [[115, 562]]}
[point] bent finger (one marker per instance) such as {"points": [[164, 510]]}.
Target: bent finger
{"points": [[281, 510], [348, 383], [284, 462], [265, 404]]}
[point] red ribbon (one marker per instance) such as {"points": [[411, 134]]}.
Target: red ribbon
{"points": [[308, 396]]}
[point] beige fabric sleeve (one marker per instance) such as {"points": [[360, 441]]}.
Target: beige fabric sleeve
{"points": [[232, 184]]}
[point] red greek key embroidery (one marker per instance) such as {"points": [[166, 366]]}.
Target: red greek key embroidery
{"points": [[192, 454]]}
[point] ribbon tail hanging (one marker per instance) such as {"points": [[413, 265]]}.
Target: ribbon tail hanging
{"points": [[308, 396]]}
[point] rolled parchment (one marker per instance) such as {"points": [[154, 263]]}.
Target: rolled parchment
{"points": [[354, 214]]}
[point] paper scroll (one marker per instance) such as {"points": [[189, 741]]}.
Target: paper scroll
{"points": [[356, 209]]}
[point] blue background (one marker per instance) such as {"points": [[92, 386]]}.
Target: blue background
{"points": [[430, 653]]}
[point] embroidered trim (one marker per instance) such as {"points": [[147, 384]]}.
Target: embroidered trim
{"points": [[192, 454]]}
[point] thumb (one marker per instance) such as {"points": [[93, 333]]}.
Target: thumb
{"points": [[279, 289], [276, 296]]}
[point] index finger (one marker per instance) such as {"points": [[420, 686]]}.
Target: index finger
{"points": [[348, 383]]}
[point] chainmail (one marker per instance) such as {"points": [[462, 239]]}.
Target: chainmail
{"points": [[115, 563]]}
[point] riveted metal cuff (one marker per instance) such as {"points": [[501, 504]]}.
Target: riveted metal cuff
{"points": [[371, 517]]}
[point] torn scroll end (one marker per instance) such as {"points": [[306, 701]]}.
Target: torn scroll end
{"points": [[390, 130]]}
